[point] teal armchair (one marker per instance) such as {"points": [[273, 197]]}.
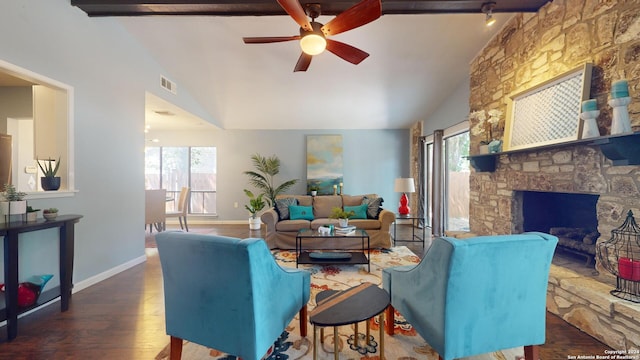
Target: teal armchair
{"points": [[228, 294], [475, 296]]}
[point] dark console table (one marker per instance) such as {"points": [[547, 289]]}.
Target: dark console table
{"points": [[10, 232]]}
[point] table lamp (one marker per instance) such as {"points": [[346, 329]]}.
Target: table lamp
{"points": [[404, 185]]}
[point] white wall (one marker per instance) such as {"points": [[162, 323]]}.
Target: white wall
{"points": [[452, 111], [110, 74], [372, 160]]}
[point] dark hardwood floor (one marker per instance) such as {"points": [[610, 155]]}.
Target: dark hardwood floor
{"points": [[123, 318]]}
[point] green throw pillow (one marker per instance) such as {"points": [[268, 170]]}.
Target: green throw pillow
{"points": [[297, 212], [360, 210]]}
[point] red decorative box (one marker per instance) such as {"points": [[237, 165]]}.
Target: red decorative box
{"points": [[625, 268], [629, 269], [636, 270]]}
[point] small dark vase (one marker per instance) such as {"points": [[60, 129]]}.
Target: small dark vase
{"points": [[50, 183]]}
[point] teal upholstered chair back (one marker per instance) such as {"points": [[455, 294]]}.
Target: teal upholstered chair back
{"points": [[227, 293], [477, 295]]}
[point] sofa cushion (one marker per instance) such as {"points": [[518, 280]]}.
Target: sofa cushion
{"points": [[317, 222], [305, 200], [366, 224], [352, 200], [297, 212], [292, 225], [322, 205], [282, 207], [360, 211], [374, 206]]}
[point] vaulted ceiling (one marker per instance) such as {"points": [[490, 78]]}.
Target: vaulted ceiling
{"points": [[419, 54]]}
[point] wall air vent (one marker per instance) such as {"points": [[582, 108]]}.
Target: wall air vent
{"points": [[168, 85]]}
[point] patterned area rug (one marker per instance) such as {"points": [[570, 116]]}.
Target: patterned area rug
{"points": [[406, 344]]}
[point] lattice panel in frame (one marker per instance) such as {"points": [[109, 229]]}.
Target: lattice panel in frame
{"points": [[549, 113]]}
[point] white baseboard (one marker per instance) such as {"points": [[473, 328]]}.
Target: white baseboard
{"points": [[209, 221], [107, 274]]}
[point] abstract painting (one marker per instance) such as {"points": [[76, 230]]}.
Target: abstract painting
{"points": [[324, 163]]}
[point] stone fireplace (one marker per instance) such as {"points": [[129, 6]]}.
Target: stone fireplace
{"points": [[565, 187], [529, 50]]}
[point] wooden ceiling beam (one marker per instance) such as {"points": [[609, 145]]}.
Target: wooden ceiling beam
{"points": [[271, 7]]}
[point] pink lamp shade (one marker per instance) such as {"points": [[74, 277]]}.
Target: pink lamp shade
{"points": [[404, 185]]}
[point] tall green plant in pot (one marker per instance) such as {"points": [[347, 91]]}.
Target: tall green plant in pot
{"points": [[256, 203], [263, 178], [49, 169]]}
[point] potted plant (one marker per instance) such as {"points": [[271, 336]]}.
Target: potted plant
{"points": [[263, 177], [14, 203], [50, 213], [50, 168], [256, 203], [314, 190], [32, 214], [341, 215]]}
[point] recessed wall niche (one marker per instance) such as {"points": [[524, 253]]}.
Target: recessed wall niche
{"points": [[36, 112]]}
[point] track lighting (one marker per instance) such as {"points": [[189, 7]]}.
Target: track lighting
{"points": [[487, 8]]}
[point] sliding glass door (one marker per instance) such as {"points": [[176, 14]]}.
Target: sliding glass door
{"points": [[456, 149]]}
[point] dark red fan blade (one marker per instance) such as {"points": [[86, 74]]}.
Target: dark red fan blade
{"points": [[359, 14], [346, 52], [269, 39], [295, 10], [303, 62]]}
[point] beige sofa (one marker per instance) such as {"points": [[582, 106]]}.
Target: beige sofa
{"points": [[282, 233]]}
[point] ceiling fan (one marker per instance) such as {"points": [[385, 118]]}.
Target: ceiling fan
{"points": [[313, 35]]}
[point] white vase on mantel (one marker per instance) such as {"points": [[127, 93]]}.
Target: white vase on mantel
{"points": [[590, 126], [620, 123], [484, 149]]}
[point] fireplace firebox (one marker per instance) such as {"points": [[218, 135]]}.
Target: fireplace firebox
{"points": [[569, 216]]}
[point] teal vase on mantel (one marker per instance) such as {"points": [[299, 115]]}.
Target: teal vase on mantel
{"points": [[495, 146]]}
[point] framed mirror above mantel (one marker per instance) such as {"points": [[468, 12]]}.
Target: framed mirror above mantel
{"points": [[622, 149]]}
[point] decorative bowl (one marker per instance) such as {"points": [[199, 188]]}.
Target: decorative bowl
{"points": [[50, 216]]}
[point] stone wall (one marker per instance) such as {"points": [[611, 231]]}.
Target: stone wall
{"points": [[529, 50], [562, 36]]}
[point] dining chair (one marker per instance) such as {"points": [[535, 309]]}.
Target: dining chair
{"points": [[154, 209], [183, 208]]}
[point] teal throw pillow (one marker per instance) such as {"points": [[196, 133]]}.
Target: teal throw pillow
{"points": [[297, 212], [374, 206], [360, 211], [282, 207]]}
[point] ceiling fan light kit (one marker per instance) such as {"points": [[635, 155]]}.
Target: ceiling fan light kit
{"points": [[313, 42], [313, 35]]}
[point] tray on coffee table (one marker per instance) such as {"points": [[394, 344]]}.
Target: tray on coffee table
{"points": [[333, 256]]}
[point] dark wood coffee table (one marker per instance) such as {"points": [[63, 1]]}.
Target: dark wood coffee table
{"points": [[351, 306]]}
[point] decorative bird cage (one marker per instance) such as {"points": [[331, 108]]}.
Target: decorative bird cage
{"points": [[621, 256]]}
